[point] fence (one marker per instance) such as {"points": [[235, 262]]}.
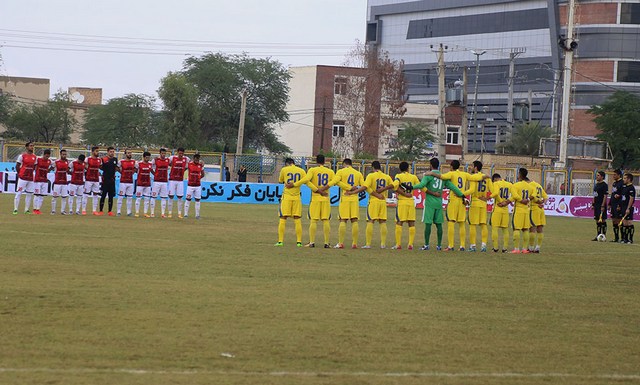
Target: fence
{"points": [[266, 168]]}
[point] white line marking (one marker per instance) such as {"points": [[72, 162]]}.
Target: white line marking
{"points": [[611, 376]]}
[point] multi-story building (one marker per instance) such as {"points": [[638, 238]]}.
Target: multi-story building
{"points": [[489, 35]]}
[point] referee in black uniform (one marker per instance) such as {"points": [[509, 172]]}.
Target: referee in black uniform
{"points": [[109, 168], [600, 191], [614, 203]]}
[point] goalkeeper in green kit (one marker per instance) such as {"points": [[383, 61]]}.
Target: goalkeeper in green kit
{"points": [[432, 213]]}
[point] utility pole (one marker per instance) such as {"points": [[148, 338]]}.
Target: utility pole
{"points": [[475, 102], [322, 129], [568, 44], [464, 127], [442, 128], [512, 73], [243, 112]]}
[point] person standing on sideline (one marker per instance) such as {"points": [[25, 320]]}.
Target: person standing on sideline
{"points": [[92, 180], [290, 203], [176, 180], [227, 174], [143, 184], [77, 184], [41, 180], [25, 164], [160, 183], [108, 187], [61, 184], [242, 173], [599, 204], [127, 168], [194, 189], [320, 206], [615, 201], [433, 211], [628, 194], [500, 216]]}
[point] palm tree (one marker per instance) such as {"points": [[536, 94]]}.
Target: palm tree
{"points": [[525, 139]]}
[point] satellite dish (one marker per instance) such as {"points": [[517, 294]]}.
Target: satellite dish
{"points": [[77, 97]]}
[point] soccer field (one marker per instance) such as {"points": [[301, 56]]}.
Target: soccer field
{"points": [[101, 300]]}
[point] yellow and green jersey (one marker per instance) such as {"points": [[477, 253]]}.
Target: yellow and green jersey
{"points": [[404, 177], [318, 176], [376, 180], [291, 174], [501, 192], [347, 178]]}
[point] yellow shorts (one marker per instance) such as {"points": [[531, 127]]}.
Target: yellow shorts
{"points": [[456, 211], [320, 211], [500, 219], [538, 218], [349, 209], [478, 215], [291, 208], [405, 211], [377, 210], [521, 219]]}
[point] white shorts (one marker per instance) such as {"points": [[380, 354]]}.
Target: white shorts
{"points": [[92, 187], [176, 187], [41, 188], [76, 190], [126, 189], [25, 186], [160, 189], [143, 191], [60, 190], [195, 192]]}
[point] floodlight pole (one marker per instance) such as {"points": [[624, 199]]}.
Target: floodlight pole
{"points": [[243, 112]]}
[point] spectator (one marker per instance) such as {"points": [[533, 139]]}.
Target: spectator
{"points": [[227, 174], [242, 173]]}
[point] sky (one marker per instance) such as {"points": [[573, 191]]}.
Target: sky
{"points": [[128, 46]]}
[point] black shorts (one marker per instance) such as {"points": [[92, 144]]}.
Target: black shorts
{"points": [[596, 213], [628, 217], [616, 212], [108, 188]]}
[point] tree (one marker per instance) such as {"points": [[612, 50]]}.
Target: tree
{"points": [[369, 100], [51, 121], [619, 120], [525, 139], [181, 112], [6, 105], [414, 142], [220, 79], [128, 121]]}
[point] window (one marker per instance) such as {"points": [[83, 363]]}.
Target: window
{"points": [[629, 71], [453, 135], [338, 129], [340, 86], [630, 13]]}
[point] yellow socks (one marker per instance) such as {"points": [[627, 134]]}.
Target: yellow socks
{"points": [[383, 234], [412, 234], [463, 234], [313, 226], [298, 223], [472, 234], [516, 239], [525, 236], [484, 233], [505, 242], [327, 231], [281, 226], [368, 234], [494, 237], [355, 228], [451, 232], [398, 235], [532, 240], [540, 239], [342, 231]]}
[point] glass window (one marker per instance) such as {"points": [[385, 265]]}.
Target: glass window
{"points": [[630, 13], [453, 135], [629, 71], [338, 129], [340, 86]]}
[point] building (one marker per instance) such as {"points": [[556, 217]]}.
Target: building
{"points": [[490, 35]]}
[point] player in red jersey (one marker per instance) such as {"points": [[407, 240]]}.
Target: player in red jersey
{"points": [[92, 180], [61, 184], [143, 184], [194, 189], [41, 180], [127, 168], [76, 187], [160, 182], [25, 164], [178, 165]]}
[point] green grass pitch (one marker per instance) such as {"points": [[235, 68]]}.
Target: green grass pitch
{"points": [[100, 300]]}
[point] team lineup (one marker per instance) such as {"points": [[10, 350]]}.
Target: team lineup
{"points": [[95, 177], [473, 190]]}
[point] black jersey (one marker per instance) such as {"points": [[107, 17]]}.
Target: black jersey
{"points": [[600, 191], [616, 189], [628, 192]]}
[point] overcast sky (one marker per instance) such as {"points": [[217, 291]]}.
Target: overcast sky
{"points": [[68, 40]]}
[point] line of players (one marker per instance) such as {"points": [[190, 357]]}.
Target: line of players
{"points": [[527, 197], [85, 181], [619, 207]]}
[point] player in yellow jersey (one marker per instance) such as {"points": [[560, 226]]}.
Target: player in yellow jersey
{"points": [[500, 216], [290, 203], [521, 193], [480, 193], [538, 218], [320, 206], [456, 208], [406, 208], [348, 178], [377, 208]]}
